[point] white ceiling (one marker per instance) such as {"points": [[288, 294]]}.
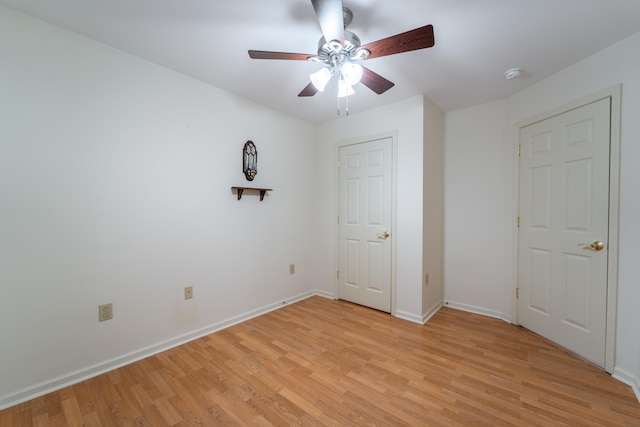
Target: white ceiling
{"points": [[476, 41]]}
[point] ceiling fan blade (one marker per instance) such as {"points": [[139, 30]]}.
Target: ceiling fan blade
{"points": [[309, 90], [264, 54], [329, 13], [375, 81], [420, 38]]}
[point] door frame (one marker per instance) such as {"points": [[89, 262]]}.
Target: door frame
{"points": [[615, 94], [336, 203]]}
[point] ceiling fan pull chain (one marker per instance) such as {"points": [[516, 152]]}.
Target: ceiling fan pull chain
{"points": [[346, 105]]}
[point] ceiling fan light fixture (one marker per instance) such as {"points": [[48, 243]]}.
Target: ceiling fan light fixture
{"points": [[344, 89], [362, 54], [320, 78], [352, 73]]}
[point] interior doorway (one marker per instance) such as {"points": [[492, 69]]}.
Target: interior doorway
{"points": [[567, 228], [365, 197]]}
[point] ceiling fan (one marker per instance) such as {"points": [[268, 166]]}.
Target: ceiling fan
{"points": [[340, 51]]}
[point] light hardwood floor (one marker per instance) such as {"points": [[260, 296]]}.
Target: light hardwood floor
{"points": [[321, 362]]}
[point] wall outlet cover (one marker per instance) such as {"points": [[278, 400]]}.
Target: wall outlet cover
{"points": [[105, 312]]}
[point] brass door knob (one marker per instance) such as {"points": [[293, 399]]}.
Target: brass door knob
{"points": [[595, 246], [384, 235]]}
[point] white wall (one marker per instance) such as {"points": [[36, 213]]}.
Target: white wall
{"points": [[478, 202], [405, 118], [473, 141], [115, 179]]}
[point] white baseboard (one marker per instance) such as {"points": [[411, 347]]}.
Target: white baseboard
{"points": [[409, 316], [478, 310], [433, 310], [629, 379], [325, 294], [71, 378]]}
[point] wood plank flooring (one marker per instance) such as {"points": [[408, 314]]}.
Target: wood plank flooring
{"points": [[330, 363]]}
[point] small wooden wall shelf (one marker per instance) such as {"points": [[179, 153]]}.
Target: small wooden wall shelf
{"points": [[262, 191]]}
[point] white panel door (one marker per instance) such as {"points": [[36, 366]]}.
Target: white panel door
{"points": [[562, 246], [364, 275]]}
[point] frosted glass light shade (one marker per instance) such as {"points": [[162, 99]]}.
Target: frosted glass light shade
{"points": [[320, 78], [344, 89], [352, 73]]}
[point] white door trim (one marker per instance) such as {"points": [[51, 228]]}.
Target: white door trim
{"points": [[336, 203], [615, 94]]}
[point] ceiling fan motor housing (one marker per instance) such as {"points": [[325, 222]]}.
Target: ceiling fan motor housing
{"points": [[351, 43], [332, 51]]}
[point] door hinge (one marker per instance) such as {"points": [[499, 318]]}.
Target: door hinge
{"points": [[338, 274], [519, 148], [338, 219], [517, 293], [338, 164], [518, 222]]}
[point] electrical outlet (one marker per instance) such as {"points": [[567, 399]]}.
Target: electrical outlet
{"points": [[105, 312], [292, 269], [188, 292]]}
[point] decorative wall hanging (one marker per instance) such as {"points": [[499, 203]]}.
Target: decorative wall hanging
{"points": [[250, 170], [250, 160]]}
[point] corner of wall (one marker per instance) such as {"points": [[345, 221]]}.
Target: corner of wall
{"points": [[433, 209], [629, 379]]}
